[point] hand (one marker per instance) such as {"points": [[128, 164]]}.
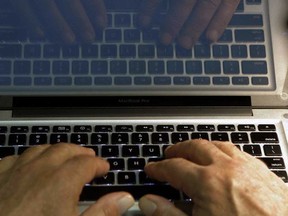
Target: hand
{"points": [[220, 179], [47, 180], [188, 19], [62, 20]]}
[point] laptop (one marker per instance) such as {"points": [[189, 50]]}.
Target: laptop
{"points": [[128, 97]]}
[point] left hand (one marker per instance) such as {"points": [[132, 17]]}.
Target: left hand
{"points": [[188, 19], [47, 180]]}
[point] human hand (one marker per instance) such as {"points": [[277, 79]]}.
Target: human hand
{"points": [[62, 20], [47, 180], [220, 179], [188, 19]]}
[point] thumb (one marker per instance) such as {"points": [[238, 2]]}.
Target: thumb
{"points": [[111, 205], [152, 205]]}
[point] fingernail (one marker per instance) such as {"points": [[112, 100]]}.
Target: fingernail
{"points": [[166, 38], [147, 206], [125, 203], [186, 42], [213, 36]]}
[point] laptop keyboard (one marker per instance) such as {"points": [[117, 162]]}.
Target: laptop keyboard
{"points": [[123, 57], [128, 147]]}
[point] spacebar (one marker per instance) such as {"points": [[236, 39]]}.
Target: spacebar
{"points": [[91, 193]]}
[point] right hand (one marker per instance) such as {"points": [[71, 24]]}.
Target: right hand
{"points": [[220, 179], [62, 20]]}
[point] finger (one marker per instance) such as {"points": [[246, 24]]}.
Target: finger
{"points": [[221, 19], [77, 18], [31, 154], [7, 162], [177, 15], [201, 152], [55, 24], [60, 153], [152, 205], [23, 8], [180, 173], [198, 22], [111, 204], [229, 148], [97, 12], [148, 9]]}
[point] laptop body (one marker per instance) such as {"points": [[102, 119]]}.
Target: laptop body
{"points": [[197, 112]]}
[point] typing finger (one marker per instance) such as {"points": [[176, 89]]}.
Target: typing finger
{"points": [[111, 204], [221, 19], [201, 152], [97, 12], [198, 22], [148, 9], [7, 162], [180, 173], [152, 205], [177, 15], [55, 24], [24, 9], [77, 18]]}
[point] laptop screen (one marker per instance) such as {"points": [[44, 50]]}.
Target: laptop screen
{"points": [[136, 48]]}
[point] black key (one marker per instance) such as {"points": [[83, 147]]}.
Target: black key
{"points": [[80, 67], [130, 151], [253, 150], [51, 51], [58, 138], [226, 36], [2, 139], [90, 51], [253, 35], [179, 137], [99, 138], [136, 163], [17, 139], [240, 7], [103, 128], [62, 129], [122, 20], [144, 128], [132, 36], [231, 67], [71, 51], [185, 128], [200, 136], [79, 138], [126, 178], [212, 67], [264, 137], [137, 67], [175, 67], [99, 67], [257, 51], [108, 51], [61, 67], [239, 138], [183, 53], [282, 175], [6, 151], [165, 51], [38, 139], [119, 138], [151, 151], [83, 128], [113, 35], [160, 138], [124, 128], [254, 67], [220, 136], [19, 129], [194, 67], [226, 127], [140, 138], [10, 51], [272, 150], [253, 2], [248, 127], [5, 67], [22, 149], [239, 51], [41, 68], [252, 20], [202, 51], [91, 193], [32, 51], [220, 51], [266, 127], [150, 35], [156, 67], [22, 67], [206, 128], [108, 179], [274, 163], [116, 163], [40, 129], [165, 128], [146, 51], [3, 129], [94, 148], [127, 51], [144, 179], [110, 151]]}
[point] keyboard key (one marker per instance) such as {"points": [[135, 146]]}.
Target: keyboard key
{"points": [[201, 80], [51, 51], [83, 81], [132, 36], [220, 137], [162, 80], [194, 67], [136, 163], [182, 80], [137, 67], [22, 81], [61, 67], [79, 138], [62, 129], [248, 127], [32, 51], [40, 129], [22, 67], [123, 81], [165, 51], [226, 37], [89, 51], [239, 138], [200, 136], [185, 128], [221, 51], [202, 51], [226, 127], [151, 150], [5, 81], [239, 51], [80, 67], [264, 137], [144, 128], [253, 35], [10, 51], [116, 164], [19, 129], [58, 138], [175, 67], [12, 35], [282, 174], [274, 163], [118, 67], [70, 51], [260, 81], [142, 80], [99, 67], [254, 67], [245, 20], [82, 128], [272, 150], [109, 51], [108, 179], [113, 35], [140, 138], [17, 139], [231, 67], [110, 151], [5, 67], [3, 129], [266, 127], [130, 151], [127, 51], [2, 139], [179, 137], [183, 53], [6, 151], [119, 138], [42, 81], [221, 80], [63, 81], [122, 20], [146, 51], [240, 80], [165, 128], [257, 51], [103, 128], [99, 138], [38, 139], [124, 128], [156, 67], [41, 68], [126, 178], [150, 35], [212, 67], [206, 128], [253, 150]]}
